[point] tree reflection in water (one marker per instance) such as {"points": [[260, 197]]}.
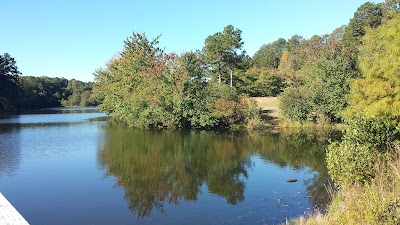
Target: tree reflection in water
{"points": [[157, 167]]}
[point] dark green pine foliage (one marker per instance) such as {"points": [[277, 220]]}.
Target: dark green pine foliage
{"points": [[8, 83]]}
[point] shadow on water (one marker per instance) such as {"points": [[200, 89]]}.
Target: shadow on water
{"points": [[163, 167]]}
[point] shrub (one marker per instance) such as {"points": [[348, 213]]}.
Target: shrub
{"points": [[349, 162], [294, 104], [379, 132], [365, 140]]}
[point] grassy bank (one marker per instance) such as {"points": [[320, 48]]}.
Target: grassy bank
{"points": [[375, 203]]}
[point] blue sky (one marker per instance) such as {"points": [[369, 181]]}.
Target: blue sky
{"points": [[72, 38]]}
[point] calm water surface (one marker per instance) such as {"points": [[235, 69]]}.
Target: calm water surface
{"points": [[71, 166]]}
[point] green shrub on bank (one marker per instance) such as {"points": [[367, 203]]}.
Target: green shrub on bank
{"points": [[294, 104], [350, 162], [379, 132], [366, 139]]}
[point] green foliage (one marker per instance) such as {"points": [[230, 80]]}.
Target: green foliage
{"points": [[28, 92], [41, 92], [378, 132], [373, 118], [349, 163], [268, 56], [321, 94], [259, 82], [366, 139], [8, 83], [80, 93], [391, 8], [292, 59], [378, 92], [294, 104], [328, 82], [368, 15], [145, 87]]}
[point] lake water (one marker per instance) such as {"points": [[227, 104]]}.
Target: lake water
{"points": [[71, 166]]}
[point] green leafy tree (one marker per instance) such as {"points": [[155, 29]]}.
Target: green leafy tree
{"points": [[143, 86], [292, 58], [80, 93], [259, 82], [8, 83], [296, 60], [294, 103], [328, 81], [293, 42], [374, 113], [391, 8]]}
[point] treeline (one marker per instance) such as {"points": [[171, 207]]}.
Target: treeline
{"points": [[323, 74], [27, 92], [42, 92]]}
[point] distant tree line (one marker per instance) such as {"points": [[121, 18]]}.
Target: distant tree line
{"points": [[27, 92]]}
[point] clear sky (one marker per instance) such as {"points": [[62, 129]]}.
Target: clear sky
{"points": [[72, 38]]}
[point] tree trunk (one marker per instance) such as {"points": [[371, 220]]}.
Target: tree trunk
{"points": [[231, 78]]}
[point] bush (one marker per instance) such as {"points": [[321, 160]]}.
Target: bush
{"points": [[379, 132], [349, 162], [249, 112], [365, 141], [294, 104]]}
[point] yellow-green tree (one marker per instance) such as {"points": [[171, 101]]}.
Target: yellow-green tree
{"points": [[378, 92]]}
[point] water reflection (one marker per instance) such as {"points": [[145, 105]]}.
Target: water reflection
{"points": [[10, 151], [164, 167], [300, 150]]}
